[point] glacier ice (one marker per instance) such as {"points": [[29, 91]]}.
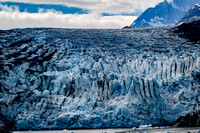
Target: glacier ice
{"points": [[63, 79]]}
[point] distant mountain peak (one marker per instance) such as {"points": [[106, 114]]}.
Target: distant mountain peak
{"points": [[192, 15], [165, 13]]}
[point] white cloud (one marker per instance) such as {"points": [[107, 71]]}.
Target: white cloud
{"points": [[157, 22], [100, 6], [170, 1], [11, 18], [9, 9]]}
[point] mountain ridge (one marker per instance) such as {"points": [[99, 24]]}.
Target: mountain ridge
{"points": [[192, 15], [163, 14]]}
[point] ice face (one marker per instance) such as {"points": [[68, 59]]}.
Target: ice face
{"points": [[60, 78]]}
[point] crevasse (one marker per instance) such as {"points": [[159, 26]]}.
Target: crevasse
{"points": [[62, 78]]}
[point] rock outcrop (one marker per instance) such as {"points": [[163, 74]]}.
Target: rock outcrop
{"points": [[191, 31], [192, 119], [3, 129]]}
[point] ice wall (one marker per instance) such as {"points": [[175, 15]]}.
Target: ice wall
{"points": [[59, 78]]}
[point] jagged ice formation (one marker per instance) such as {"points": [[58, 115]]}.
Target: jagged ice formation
{"points": [[61, 78]]}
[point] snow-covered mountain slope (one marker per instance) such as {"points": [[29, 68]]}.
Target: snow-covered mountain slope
{"points": [[60, 78], [192, 15], [163, 14]]}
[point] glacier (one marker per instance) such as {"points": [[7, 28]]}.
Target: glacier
{"points": [[70, 79]]}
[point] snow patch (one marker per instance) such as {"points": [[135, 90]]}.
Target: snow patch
{"points": [[157, 21]]}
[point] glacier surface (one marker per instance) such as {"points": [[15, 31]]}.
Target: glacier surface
{"points": [[62, 78]]}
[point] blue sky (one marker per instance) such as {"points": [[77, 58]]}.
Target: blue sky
{"points": [[34, 8], [71, 13]]}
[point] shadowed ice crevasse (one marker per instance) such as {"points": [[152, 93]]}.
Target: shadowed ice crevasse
{"points": [[59, 78]]}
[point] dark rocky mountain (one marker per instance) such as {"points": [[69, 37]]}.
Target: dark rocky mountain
{"points": [[165, 13], [192, 15], [191, 31]]}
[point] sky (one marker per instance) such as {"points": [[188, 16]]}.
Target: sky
{"points": [[97, 14]]}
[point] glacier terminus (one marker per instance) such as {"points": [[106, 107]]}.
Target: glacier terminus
{"points": [[69, 79]]}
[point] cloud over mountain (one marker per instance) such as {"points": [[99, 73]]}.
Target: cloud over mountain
{"points": [[99, 6], [94, 13], [11, 17]]}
